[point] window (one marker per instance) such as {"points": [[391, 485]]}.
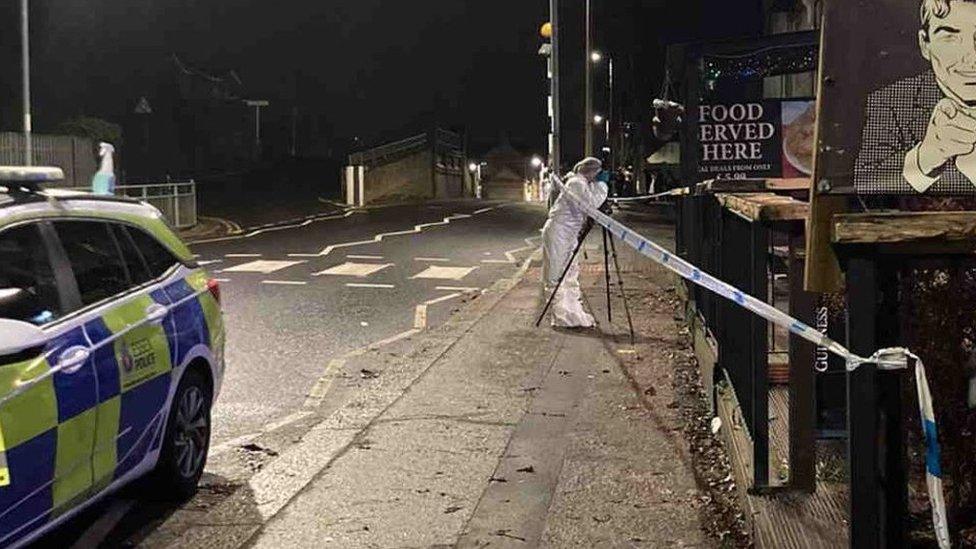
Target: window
{"points": [[28, 291], [138, 272], [95, 259], [158, 258]]}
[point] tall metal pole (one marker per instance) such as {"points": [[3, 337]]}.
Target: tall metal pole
{"points": [[588, 75], [25, 49], [554, 59], [257, 127], [613, 148]]}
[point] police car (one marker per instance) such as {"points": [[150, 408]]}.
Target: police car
{"points": [[111, 353]]}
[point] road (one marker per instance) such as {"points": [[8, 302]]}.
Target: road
{"points": [[298, 298]]}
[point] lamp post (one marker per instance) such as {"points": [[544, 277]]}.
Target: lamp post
{"points": [[25, 52], [554, 81], [536, 191], [599, 120], [475, 169], [588, 77], [597, 57]]}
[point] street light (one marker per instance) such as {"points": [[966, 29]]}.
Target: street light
{"points": [[475, 169], [536, 162], [597, 57], [599, 120], [25, 54]]}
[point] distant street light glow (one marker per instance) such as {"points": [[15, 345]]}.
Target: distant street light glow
{"points": [[596, 57], [472, 167], [536, 162], [597, 119]]}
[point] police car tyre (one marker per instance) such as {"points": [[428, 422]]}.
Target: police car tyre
{"points": [[187, 441]]}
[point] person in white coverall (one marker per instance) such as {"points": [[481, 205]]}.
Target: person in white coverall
{"points": [[560, 237]]}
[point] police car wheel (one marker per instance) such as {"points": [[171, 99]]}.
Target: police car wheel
{"points": [[187, 440]]}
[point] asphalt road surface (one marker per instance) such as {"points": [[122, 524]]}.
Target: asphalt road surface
{"points": [[296, 298]]}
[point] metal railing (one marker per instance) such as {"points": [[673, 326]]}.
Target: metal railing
{"points": [[176, 200], [742, 252], [384, 152]]}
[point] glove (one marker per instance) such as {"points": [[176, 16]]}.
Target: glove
{"points": [[606, 207]]}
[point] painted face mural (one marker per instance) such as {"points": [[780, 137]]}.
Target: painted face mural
{"points": [[949, 43]]}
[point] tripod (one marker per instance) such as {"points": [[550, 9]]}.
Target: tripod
{"points": [[620, 281], [608, 251]]}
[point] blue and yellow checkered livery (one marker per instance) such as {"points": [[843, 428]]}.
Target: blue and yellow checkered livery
{"points": [[66, 437]]}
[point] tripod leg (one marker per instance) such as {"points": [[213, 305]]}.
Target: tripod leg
{"points": [[562, 277], [623, 295], [606, 273]]}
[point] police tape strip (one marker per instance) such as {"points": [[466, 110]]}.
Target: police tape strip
{"points": [[681, 191], [885, 359]]}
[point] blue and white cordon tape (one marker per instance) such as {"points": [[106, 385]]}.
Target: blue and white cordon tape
{"points": [[885, 359]]}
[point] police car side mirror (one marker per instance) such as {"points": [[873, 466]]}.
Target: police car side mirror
{"points": [[20, 341]]}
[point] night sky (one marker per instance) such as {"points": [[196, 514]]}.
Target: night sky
{"points": [[368, 68], [372, 68]]}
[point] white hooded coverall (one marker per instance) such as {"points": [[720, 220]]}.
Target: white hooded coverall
{"points": [[560, 237]]}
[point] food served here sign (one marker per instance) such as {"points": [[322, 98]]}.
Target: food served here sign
{"points": [[754, 139]]}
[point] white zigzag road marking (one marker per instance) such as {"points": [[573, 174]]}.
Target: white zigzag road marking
{"points": [[510, 255], [256, 232], [417, 229]]}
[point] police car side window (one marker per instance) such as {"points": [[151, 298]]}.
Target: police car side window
{"points": [[138, 272], [157, 257], [95, 259], [28, 291]]}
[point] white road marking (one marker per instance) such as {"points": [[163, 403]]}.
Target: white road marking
{"points": [[283, 227], [241, 255], [355, 285], [420, 313], [324, 383], [510, 255], [227, 445], [361, 270], [221, 280], [483, 210], [444, 273], [379, 238], [377, 257], [262, 266], [420, 317], [321, 387], [284, 282], [209, 262], [456, 289], [432, 259], [497, 261]]}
